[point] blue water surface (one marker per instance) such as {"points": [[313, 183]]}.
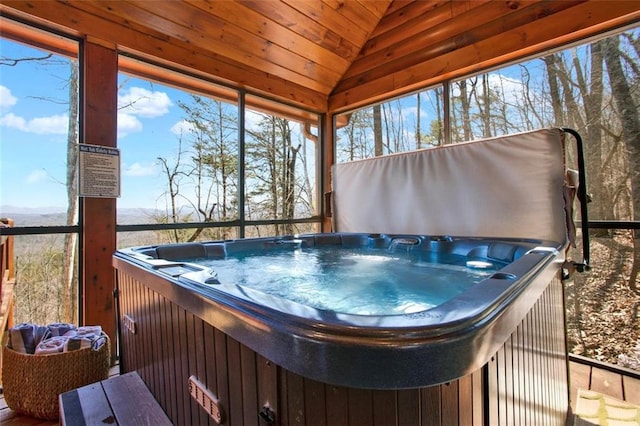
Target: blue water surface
{"points": [[352, 281]]}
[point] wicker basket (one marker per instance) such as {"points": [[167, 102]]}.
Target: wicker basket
{"points": [[32, 383]]}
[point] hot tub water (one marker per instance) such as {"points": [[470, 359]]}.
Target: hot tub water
{"points": [[359, 281]]}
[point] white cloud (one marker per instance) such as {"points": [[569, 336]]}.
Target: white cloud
{"points": [[37, 176], [7, 100], [55, 124], [144, 103], [137, 169], [510, 88], [128, 123], [182, 127], [252, 119], [13, 121]]}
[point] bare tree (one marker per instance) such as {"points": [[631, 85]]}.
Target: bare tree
{"points": [[272, 160], [377, 130], [356, 133], [174, 174], [628, 112], [69, 264], [202, 178]]}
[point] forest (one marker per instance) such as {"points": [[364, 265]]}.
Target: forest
{"points": [[272, 175]]}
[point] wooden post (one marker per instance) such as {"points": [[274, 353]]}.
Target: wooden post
{"points": [[100, 68], [7, 283], [7, 279], [9, 258]]}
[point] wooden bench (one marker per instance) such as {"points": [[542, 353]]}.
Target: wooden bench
{"points": [[120, 400]]}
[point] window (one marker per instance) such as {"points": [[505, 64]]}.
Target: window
{"points": [[404, 124], [185, 160], [281, 166], [39, 125], [179, 149], [39, 101]]}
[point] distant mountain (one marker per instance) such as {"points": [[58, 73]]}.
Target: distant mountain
{"points": [[7, 211], [52, 216]]}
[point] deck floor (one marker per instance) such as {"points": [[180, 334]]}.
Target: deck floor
{"points": [[585, 374]]}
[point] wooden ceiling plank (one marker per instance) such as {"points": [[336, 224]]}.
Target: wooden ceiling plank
{"points": [[426, 26], [491, 19], [546, 33], [355, 12], [136, 16], [304, 26], [42, 39], [377, 7], [208, 32], [400, 4], [330, 19], [409, 12], [179, 54], [273, 31]]}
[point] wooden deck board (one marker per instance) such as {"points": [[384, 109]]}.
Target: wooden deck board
{"points": [[580, 378], [631, 389], [607, 383]]}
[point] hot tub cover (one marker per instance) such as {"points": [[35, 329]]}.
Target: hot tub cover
{"points": [[509, 186]]}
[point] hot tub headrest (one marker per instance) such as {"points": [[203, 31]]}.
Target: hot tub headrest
{"points": [[181, 251], [510, 186]]}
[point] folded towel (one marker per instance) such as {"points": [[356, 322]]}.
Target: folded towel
{"points": [[74, 343], [87, 330], [41, 333], [97, 343], [51, 345], [25, 337], [60, 328], [31, 338]]}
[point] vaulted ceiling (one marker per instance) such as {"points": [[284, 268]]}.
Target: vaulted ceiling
{"points": [[329, 55]]}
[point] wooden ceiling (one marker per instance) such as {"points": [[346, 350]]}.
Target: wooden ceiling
{"points": [[329, 55]]}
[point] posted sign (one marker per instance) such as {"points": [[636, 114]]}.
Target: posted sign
{"points": [[99, 171]]}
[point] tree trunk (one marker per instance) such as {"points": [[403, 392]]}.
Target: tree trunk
{"points": [[377, 131], [418, 135], [466, 108], [554, 89], [69, 270], [485, 107], [628, 112]]}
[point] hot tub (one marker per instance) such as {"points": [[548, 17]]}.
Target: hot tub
{"points": [[348, 312], [487, 347]]}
